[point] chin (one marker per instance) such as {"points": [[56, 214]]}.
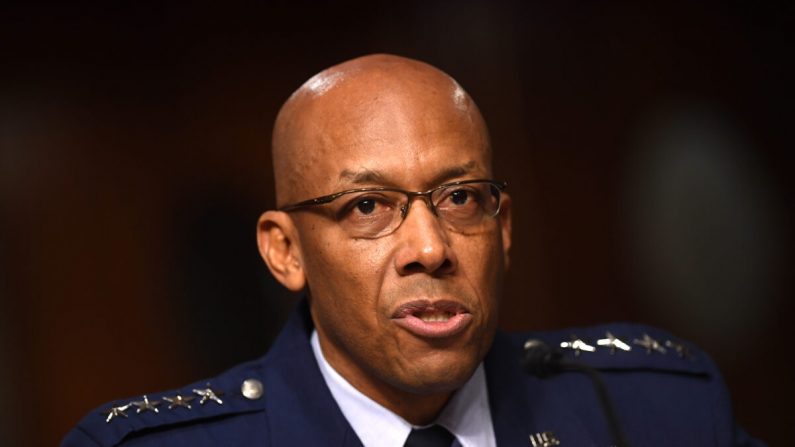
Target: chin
{"points": [[439, 376]]}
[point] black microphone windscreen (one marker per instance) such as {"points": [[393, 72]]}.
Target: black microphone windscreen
{"points": [[540, 360]]}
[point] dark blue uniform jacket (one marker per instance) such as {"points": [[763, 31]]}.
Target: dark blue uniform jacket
{"points": [[674, 398]]}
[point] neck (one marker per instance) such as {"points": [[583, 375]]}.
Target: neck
{"points": [[418, 407]]}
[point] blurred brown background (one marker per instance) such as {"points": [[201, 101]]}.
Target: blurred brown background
{"points": [[648, 150]]}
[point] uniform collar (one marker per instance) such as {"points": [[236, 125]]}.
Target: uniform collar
{"points": [[302, 411], [467, 414]]}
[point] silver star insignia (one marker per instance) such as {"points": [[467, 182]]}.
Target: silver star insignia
{"points": [[650, 344], [116, 412], [544, 439], [146, 404], [179, 401], [613, 342], [577, 345], [681, 350], [209, 394]]}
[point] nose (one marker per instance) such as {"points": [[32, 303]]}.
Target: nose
{"points": [[424, 245]]}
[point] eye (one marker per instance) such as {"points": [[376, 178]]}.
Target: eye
{"points": [[369, 214], [460, 197], [365, 206], [459, 202]]}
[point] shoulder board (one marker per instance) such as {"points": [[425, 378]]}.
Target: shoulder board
{"points": [[625, 346], [236, 391]]}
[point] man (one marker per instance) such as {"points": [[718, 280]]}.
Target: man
{"points": [[391, 222]]}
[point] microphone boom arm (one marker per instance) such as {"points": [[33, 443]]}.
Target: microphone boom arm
{"points": [[542, 361]]}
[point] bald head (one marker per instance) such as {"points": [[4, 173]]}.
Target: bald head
{"points": [[376, 104]]}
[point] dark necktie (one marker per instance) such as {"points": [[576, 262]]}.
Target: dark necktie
{"points": [[433, 436]]}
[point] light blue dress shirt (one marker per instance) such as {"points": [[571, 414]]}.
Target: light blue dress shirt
{"points": [[466, 415]]}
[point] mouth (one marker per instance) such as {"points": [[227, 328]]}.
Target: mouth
{"points": [[428, 319]]}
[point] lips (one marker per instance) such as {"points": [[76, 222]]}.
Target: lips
{"points": [[438, 319]]}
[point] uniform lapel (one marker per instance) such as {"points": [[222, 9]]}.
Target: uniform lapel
{"points": [[300, 407]]}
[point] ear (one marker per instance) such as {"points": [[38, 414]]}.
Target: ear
{"points": [[277, 242], [505, 224]]}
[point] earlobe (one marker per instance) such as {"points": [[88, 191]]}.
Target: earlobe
{"points": [[278, 249], [505, 226]]}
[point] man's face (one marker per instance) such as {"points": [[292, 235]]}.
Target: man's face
{"points": [[363, 291]]}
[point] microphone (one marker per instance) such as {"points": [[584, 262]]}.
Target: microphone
{"points": [[542, 361]]}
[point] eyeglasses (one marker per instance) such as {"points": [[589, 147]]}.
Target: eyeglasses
{"points": [[370, 213]]}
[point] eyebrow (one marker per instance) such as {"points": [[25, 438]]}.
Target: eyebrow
{"points": [[370, 176]]}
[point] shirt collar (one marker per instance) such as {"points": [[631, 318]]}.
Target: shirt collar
{"points": [[466, 415]]}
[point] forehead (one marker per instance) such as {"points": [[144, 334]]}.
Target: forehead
{"points": [[408, 131]]}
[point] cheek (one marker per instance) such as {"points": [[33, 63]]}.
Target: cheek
{"points": [[344, 271], [481, 263]]}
